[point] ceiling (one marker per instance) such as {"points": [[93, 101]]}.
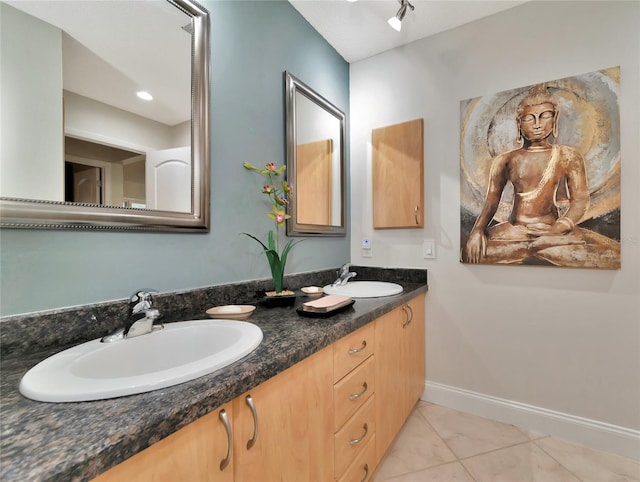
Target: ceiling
{"points": [[103, 65], [112, 49], [359, 29]]}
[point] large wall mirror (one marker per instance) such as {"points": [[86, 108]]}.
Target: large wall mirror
{"points": [[316, 162], [82, 146]]}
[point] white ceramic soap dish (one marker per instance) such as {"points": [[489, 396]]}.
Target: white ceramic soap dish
{"points": [[313, 291]]}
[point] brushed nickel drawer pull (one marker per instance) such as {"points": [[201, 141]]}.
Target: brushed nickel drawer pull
{"points": [[353, 351], [356, 441], [366, 472], [224, 418], [254, 412], [355, 396]]}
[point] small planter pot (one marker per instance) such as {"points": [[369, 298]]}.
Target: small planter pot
{"points": [[273, 300]]}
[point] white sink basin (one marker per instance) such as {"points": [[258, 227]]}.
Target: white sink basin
{"points": [[178, 353], [364, 289]]}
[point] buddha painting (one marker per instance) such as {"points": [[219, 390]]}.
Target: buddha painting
{"points": [[540, 175]]}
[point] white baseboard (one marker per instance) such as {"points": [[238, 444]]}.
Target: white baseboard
{"points": [[591, 433]]}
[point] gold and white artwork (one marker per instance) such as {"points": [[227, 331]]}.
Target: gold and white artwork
{"points": [[540, 174]]}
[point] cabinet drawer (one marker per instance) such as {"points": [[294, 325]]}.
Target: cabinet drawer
{"points": [[361, 470], [354, 436], [350, 393], [350, 351]]}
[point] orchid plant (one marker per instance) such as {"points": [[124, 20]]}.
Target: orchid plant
{"points": [[278, 193]]}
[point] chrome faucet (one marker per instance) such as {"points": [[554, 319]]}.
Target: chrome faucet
{"points": [[141, 316], [344, 275]]}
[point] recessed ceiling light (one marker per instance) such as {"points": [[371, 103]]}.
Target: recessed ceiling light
{"points": [[144, 95]]}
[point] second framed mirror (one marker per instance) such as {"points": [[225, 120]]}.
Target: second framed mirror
{"points": [[316, 161]]}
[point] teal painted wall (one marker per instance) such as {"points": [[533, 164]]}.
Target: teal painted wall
{"points": [[252, 43]]}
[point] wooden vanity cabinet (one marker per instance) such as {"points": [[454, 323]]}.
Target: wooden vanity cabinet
{"points": [[193, 453], [399, 369], [330, 417], [294, 425]]}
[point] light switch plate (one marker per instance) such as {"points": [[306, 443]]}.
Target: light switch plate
{"points": [[428, 248]]}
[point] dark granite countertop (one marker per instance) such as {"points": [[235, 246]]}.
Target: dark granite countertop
{"points": [[78, 441]]}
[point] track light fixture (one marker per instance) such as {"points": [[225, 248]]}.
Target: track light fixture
{"points": [[396, 20]]}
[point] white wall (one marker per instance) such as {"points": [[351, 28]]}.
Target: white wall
{"points": [[31, 93], [92, 120], [556, 349]]}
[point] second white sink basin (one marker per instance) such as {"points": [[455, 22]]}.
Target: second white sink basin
{"points": [[364, 289], [180, 352]]}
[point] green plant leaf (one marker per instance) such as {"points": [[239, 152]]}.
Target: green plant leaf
{"points": [[253, 237], [285, 252], [272, 243]]}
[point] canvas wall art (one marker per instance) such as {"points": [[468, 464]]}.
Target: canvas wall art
{"points": [[540, 174]]}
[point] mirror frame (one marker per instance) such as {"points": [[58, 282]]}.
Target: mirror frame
{"points": [[294, 228], [30, 213]]}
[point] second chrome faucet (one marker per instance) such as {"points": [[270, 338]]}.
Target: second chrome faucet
{"points": [[344, 275]]}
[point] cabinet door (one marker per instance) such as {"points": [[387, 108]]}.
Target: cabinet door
{"points": [[398, 175], [400, 369], [294, 425], [389, 373], [193, 453], [415, 352]]}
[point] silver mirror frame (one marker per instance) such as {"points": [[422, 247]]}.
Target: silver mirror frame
{"points": [[28, 213], [294, 228]]}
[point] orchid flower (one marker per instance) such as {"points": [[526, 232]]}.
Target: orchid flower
{"points": [[278, 194]]}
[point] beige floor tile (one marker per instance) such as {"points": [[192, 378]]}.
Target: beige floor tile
{"points": [[468, 435], [521, 463], [453, 472], [589, 464], [416, 447], [530, 434]]}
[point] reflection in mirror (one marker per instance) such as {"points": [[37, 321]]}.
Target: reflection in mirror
{"points": [[79, 149], [315, 162]]}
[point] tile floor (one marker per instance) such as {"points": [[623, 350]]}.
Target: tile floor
{"points": [[445, 445]]}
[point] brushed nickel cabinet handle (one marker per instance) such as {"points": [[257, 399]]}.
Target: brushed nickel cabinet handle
{"points": [[355, 396], [406, 314], [366, 472], [410, 314], [353, 351], [254, 412], [415, 214], [356, 441], [224, 418]]}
